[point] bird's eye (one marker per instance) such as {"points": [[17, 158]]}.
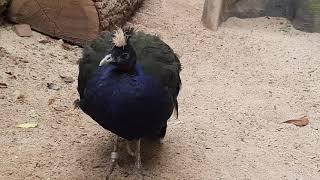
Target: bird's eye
{"points": [[125, 56]]}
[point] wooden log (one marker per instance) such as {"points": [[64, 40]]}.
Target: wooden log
{"points": [[77, 21]]}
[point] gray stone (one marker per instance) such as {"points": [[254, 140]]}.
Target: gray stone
{"points": [[23, 30]]}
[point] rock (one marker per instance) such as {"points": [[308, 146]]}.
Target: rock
{"points": [[44, 41], [177, 122], [67, 79], [60, 41], [67, 46], [23, 30], [18, 96], [24, 60], [33, 113], [53, 86]]}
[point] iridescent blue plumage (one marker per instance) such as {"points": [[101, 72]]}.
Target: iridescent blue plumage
{"points": [[130, 105]]}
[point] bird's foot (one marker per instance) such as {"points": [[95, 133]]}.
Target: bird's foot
{"points": [[138, 160], [114, 158], [136, 154], [129, 150]]}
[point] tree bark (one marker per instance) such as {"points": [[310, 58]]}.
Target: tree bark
{"points": [[76, 21], [307, 15], [115, 12]]}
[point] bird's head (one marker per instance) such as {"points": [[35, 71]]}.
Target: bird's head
{"points": [[122, 54]]}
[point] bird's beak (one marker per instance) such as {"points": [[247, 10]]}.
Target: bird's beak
{"points": [[106, 60]]}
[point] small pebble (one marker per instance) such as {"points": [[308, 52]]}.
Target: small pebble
{"points": [[53, 86], [23, 30]]}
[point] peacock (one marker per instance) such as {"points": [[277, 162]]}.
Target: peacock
{"points": [[128, 83]]}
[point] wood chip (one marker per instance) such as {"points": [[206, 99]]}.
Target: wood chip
{"points": [[24, 60], [299, 122], [3, 85], [27, 125], [11, 76], [51, 101]]}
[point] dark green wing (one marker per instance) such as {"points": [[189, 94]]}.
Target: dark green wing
{"points": [[158, 60], [92, 55]]}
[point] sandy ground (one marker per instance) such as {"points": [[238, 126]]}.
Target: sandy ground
{"points": [[239, 84]]}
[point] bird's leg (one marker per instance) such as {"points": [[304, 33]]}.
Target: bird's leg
{"points": [[130, 152], [114, 157], [138, 158]]}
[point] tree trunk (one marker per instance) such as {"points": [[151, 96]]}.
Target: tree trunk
{"points": [[211, 16], [77, 21]]}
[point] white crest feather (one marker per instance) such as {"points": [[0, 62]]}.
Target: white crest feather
{"points": [[119, 38]]}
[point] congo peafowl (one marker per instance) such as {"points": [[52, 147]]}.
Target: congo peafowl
{"points": [[128, 83]]}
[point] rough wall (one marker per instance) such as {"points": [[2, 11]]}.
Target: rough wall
{"points": [[304, 14], [257, 8]]}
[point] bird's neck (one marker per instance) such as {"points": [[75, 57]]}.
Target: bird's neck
{"points": [[130, 69]]}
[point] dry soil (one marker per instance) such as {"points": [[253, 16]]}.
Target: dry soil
{"points": [[239, 84]]}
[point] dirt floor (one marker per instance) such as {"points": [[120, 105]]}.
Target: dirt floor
{"points": [[239, 84]]}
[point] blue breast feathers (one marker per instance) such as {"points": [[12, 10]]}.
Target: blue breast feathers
{"points": [[129, 105]]}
